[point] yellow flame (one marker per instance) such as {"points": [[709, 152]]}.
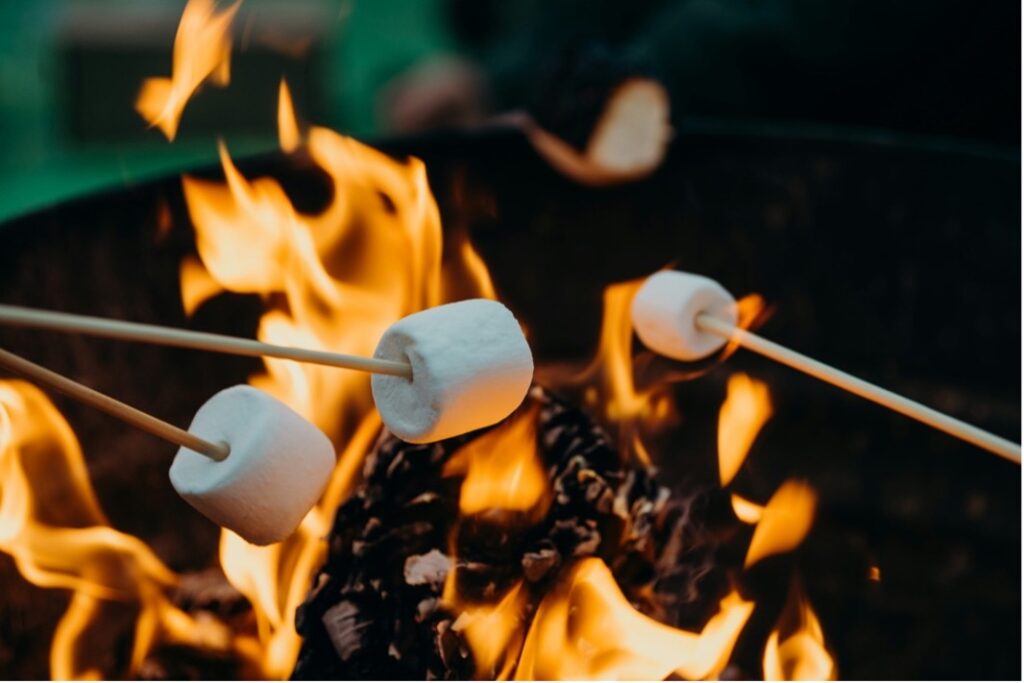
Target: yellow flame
{"points": [[287, 124], [333, 280], [785, 522], [744, 412], [197, 285], [751, 312], [586, 629], [745, 510], [796, 647], [502, 468], [52, 525], [495, 633], [202, 51], [608, 381]]}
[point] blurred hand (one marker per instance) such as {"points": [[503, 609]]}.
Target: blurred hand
{"points": [[442, 91]]}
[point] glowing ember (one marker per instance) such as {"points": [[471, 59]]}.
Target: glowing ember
{"points": [[746, 408], [586, 629], [785, 522], [796, 647], [202, 51]]}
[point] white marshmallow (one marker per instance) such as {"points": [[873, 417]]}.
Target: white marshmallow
{"points": [[665, 309], [278, 466], [471, 367]]}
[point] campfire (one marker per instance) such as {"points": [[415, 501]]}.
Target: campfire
{"points": [[547, 544]]}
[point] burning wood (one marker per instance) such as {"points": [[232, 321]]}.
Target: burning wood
{"points": [[421, 578]]}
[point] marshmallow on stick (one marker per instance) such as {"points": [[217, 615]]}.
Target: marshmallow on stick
{"points": [[665, 313], [688, 317], [276, 469], [471, 367]]}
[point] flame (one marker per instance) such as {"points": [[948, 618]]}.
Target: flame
{"points": [[503, 469], [745, 510], [202, 51], [370, 257], [751, 312], [746, 409], [52, 525], [494, 633], [287, 124], [197, 285], [608, 381], [785, 522], [586, 629], [796, 647]]}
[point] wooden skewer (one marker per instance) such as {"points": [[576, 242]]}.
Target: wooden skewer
{"points": [[111, 406], [826, 373], [205, 341]]}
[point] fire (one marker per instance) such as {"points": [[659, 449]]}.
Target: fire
{"points": [[335, 280], [372, 256], [610, 388], [287, 124], [52, 525], [747, 511], [796, 647], [503, 470], [784, 523], [202, 51], [586, 629], [494, 633], [746, 409]]}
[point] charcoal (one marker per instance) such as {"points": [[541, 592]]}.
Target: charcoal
{"points": [[375, 610]]}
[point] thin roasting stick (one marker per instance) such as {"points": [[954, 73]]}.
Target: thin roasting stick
{"points": [[111, 406], [204, 341], [826, 373]]}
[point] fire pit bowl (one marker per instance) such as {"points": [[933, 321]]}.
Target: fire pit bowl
{"points": [[895, 260]]}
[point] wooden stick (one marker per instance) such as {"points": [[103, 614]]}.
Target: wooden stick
{"points": [[111, 406], [205, 341], [826, 373]]}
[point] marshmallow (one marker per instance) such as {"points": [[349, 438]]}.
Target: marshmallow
{"points": [[665, 310], [278, 466], [471, 367]]}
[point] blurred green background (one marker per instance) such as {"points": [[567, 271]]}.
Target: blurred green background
{"points": [[69, 71]]}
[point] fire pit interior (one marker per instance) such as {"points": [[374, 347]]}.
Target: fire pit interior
{"points": [[635, 517]]}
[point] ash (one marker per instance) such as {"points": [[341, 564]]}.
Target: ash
{"points": [[375, 607]]}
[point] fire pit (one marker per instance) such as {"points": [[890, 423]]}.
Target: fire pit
{"points": [[636, 517]]}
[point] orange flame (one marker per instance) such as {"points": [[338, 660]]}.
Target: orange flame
{"points": [[503, 470], [745, 510], [202, 51], [494, 633], [586, 629], [52, 525], [372, 256], [609, 384], [796, 647], [785, 522], [746, 409], [287, 124]]}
